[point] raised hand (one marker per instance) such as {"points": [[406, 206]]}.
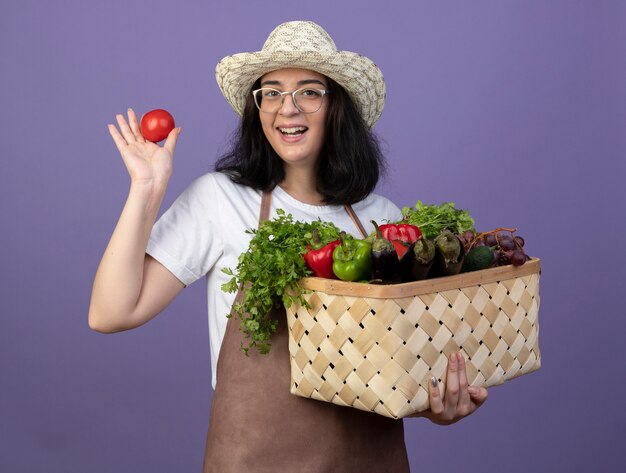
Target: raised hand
{"points": [[126, 271], [144, 160]]}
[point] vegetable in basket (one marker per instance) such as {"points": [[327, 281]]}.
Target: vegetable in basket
{"points": [[418, 260], [352, 259], [432, 219], [270, 271], [449, 255], [385, 262], [401, 235], [479, 257], [319, 258]]}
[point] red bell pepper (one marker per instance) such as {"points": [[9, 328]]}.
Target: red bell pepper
{"points": [[401, 235], [320, 260], [401, 247], [401, 231]]}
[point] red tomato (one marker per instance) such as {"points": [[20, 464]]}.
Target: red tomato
{"points": [[156, 125]]}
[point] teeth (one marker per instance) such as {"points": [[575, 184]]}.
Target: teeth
{"points": [[293, 131]]}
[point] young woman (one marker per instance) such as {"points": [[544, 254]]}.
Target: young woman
{"points": [[305, 146]]}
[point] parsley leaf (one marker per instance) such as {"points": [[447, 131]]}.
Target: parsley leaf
{"points": [[269, 272], [431, 219]]}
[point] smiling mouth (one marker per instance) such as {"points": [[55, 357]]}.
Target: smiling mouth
{"points": [[296, 131]]}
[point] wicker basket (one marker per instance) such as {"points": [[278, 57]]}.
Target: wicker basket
{"points": [[375, 347]]}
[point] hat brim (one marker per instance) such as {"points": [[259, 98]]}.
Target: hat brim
{"points": [[358, 75]]}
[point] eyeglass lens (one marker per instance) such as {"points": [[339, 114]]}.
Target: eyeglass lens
{"points": [[305, 100]]}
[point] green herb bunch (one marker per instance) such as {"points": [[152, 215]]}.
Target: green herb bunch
{"points": [[431, 219], [270, 270]]}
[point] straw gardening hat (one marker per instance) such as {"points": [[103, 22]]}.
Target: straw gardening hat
{"points": [[304, 45]]}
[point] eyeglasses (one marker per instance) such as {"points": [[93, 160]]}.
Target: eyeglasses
{"points": [[306, 100]]}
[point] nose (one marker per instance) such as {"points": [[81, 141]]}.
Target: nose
{"points": [[288, 107]]}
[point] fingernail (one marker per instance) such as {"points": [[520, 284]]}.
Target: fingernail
{"points": [[434, 382]]}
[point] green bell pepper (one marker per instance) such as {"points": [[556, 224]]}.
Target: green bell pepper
{"points": [[352, 259]]}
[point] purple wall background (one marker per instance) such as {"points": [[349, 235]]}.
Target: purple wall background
{"points": [[514, 110]]}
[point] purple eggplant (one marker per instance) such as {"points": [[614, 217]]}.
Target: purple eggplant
{"points": [[449, 255], [416, 263], [385, 263]]}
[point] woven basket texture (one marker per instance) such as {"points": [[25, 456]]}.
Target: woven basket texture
{"points": [[377, 352]]}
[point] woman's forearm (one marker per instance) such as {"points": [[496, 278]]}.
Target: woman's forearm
{"points": [[120, 275]]}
